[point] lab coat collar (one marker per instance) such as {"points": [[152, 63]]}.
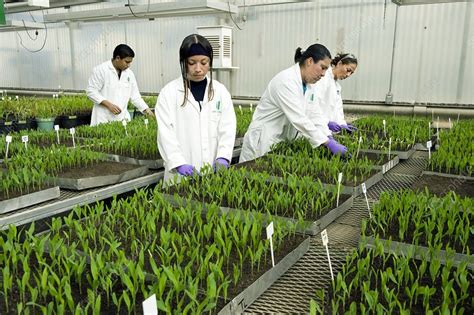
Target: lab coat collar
{"points": [[181, 84], [297, 70]]}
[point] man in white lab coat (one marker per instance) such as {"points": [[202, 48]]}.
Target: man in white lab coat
{"points": [[328, 93], [281, 113], [111, 85], [195, 115]]}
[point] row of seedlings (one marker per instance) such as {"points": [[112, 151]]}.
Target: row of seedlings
{"points": [[109, 259]]}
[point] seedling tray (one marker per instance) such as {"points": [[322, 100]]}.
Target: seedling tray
{"points": [[152, 164], [252, 292], [419, 252], [28, 200], [306, 227], [98, 181], [403, 155]]}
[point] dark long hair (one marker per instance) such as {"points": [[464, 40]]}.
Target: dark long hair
{"points": [[184, 54], [344, 58], [315, 51]]}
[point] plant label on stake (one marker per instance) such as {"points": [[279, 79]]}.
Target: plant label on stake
{"points": [[269, 237], [389, 147], [429, 130], [457, 121], [124, 124], [428, 145], [251, 107], [437, 128], [364, 190], [149, 306], [8, 139], [384, 128], [56, 128], [72, 131], [358, 146], [324, 237], [240, 108], [339, 180], [146, 122], [449, 120], [24, 139]]}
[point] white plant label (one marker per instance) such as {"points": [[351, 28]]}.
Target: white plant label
{"points": [[9, 140], [384, 169], [251, 107], [324, 237], [339, 180], [149, 306], [72, 131], [56, 128], [240, 108], [449, 120], [269, 236], [428, 145], [364, 190], [429, 129], [457, 121], [24, 139], [146, 122], [389, 146], [384, 127]]}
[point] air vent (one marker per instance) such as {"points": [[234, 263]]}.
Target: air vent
{"points": [[220, 38]]}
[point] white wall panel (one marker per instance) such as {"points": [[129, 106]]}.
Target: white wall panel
{"points": [[434, 50]]}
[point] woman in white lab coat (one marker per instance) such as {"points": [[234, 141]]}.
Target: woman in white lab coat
{"points": [[281, 112], [111, 85], [195, 114], [328, 92]]}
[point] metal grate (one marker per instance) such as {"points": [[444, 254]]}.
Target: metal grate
{"points": [[293, 292]]}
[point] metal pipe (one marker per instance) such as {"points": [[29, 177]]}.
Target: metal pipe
{"points": [[389, 96]]}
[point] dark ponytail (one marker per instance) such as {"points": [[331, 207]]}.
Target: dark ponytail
{"points": [[344, 58], [316, 51]]}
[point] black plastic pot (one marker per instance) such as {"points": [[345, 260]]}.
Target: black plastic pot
{"points": [[28, 124]]}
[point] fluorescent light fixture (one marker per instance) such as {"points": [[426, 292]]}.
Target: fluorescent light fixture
{"points": [[39, 3], [165, 9], [16, 25], [414, 2]]}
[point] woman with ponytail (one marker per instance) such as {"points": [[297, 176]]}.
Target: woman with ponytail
{"points": [[281, 112], [195, 114], [328, 93]]}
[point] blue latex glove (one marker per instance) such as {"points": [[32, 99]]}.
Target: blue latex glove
{"points": [[335, 147], [334, 127], [185, 170], [349, 128], [220, 163]]}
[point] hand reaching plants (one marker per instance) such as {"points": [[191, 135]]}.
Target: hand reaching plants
{"points": [[185, 170], [220, 163], [333, 126]]}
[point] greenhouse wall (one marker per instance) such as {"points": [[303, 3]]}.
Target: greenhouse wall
{"points": [[434, 49]]}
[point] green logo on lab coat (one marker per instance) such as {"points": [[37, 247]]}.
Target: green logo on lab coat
{"points": [[312, 97], [128, 78], [218, 106]]}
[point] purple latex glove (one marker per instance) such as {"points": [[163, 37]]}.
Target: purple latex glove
{"points": [[334, 127], [220, 163], [349, 128], [185, 170], [335, 147]]}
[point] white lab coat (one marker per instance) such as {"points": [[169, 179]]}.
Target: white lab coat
{"points": [[188, 135], [329, 100], [281, 115], [104, 84]]}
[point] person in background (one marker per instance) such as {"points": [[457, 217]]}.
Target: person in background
{"points": [[328, 93], [111, 86], [195, 114], [281, 112]]}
